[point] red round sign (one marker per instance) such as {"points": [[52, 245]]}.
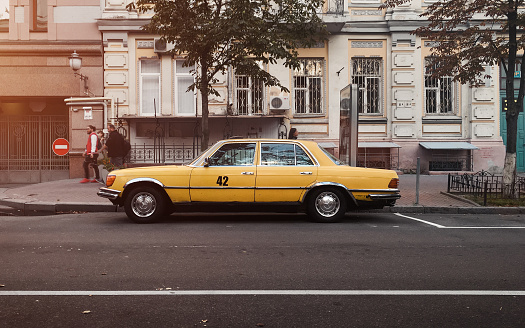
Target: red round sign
{"points": [[60, 146]]}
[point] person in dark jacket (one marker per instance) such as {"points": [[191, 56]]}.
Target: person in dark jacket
{"points": [[115, 146], [293, 133]]}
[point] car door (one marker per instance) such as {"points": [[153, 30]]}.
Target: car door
{"points": [[285, 170], [227, 176]]}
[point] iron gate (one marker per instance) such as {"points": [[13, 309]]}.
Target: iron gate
{"points": [[26, 155]]}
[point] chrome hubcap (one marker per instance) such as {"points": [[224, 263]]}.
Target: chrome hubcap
{"points": [[143, 204], [327, 204]]}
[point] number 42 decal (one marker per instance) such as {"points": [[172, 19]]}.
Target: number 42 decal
{"points": [[222, 181]]}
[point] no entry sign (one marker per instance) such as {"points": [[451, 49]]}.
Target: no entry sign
{"points": [[60, 146]]}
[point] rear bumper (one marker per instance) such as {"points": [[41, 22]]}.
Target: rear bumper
{"points": [[108, 193], [385, 196]]}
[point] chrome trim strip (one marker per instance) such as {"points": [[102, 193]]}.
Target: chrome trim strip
{"points": [[373, 190], [330, 184], [218, 188], [144, 180]]}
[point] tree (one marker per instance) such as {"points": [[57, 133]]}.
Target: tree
{"points": [[214, 35], [467, 36]]}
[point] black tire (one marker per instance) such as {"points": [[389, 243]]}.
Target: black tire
{"points": [[145, 205], [326, 205]]}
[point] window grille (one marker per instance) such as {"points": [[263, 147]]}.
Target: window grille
{"points": [[367, 73], [308, 87], [249, 95], [439, 92]]}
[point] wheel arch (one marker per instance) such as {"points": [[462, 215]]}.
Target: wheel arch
{"points": [[144, 182], [351, 201]]}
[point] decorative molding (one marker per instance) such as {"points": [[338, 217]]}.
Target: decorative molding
{"points": [[484, 130], [434, 128], [404, 130], [431, 44], [403, 60], [367, 12], [367, 44], [483, 112], [145, 44], [404, 77], [406, 95]]}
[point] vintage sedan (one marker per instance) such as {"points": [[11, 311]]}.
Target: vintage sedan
{"points": [[253, 174]]}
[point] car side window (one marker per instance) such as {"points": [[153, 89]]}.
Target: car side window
{"points": [[301, 157], [233, 154], [281, 154]]}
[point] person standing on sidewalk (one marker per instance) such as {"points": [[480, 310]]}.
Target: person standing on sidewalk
{"points": [[115, 146], [91, 156]]}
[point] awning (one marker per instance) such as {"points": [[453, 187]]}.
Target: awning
{"points": [[378, 145], [448, 145]]}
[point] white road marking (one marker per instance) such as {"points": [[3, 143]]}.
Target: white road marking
{"points": [[444, 227], [426, 222], [266, 292]]}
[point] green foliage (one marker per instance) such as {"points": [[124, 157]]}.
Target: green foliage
{"points": [[216, 35], [104, 161], [469, 34], [241, 34]]}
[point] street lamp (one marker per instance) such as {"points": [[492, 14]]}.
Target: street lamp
{"points": [[75, 62]]}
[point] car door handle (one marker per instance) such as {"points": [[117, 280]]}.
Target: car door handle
{"points": [[306, 173], [247, 173]]}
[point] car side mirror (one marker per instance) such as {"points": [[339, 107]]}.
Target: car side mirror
{"points": [[206, 162]]}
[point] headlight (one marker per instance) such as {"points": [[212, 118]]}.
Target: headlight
{"points": [[110, 179]]}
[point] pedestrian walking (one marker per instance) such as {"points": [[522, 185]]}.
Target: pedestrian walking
{"points": [[91, 156], [115, 147]]}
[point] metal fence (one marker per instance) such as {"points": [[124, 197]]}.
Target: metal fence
{"points": [[484, 184], [163, 154]]}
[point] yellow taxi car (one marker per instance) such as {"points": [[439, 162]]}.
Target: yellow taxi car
{"points": [[253, 172]]}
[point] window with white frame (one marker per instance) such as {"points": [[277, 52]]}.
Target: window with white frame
{"points": [[4, 15], [308, 86], [439, 92], [149, 85], [367, 73], [249, 95], [184, 98]]}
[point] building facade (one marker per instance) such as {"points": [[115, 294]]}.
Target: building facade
{"points": [[134, 83], [404, 113], [37, 37]]}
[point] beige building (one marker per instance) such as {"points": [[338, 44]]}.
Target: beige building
{"points": [[37, 37], [403, 112]]}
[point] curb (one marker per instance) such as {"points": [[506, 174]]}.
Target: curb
{"points": [[21, 208]]}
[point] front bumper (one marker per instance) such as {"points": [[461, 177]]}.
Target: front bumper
{"points": [[108, 193]]}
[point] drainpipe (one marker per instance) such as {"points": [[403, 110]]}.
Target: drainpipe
{"points": [[95, 101]]}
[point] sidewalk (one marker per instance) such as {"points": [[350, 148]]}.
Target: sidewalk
{"points": [[71, 196]]}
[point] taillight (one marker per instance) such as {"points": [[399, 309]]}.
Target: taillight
{"points": [[394, 183], [110, 179]]}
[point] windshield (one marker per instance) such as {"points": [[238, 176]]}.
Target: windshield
{"points": [[332, 157], [196, 160]]}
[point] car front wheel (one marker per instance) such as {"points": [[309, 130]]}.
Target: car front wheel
{"points": [[326, 205], [144, 205]]}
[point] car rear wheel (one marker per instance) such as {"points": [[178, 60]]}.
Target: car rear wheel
{"points": [[326, 205], [145, 205]]}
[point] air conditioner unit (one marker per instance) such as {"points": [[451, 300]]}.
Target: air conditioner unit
{"points": [[161, 46], [279, 103]]}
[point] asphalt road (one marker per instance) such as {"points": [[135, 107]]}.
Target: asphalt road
{"points": [[372, 270]]}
